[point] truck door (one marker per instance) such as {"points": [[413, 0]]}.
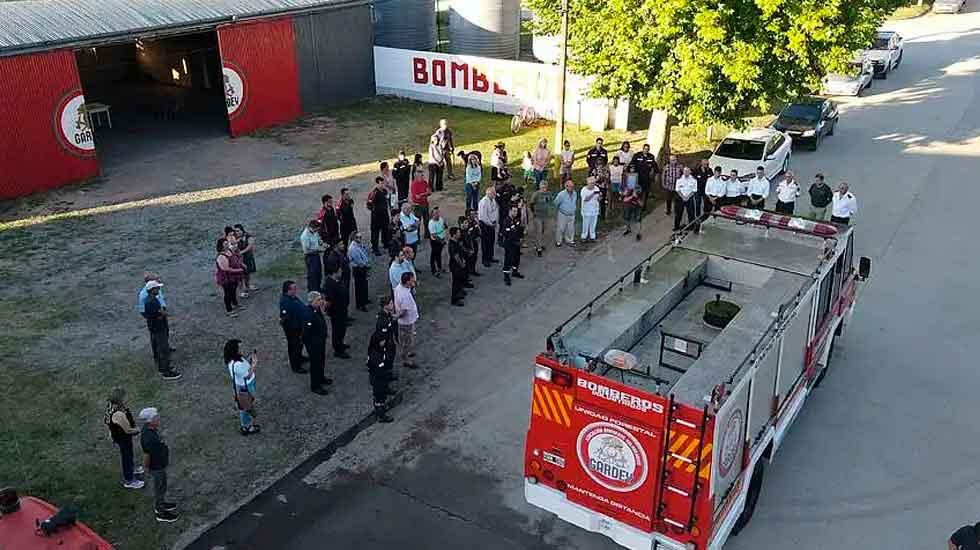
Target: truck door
{"points": [[616, 467]]}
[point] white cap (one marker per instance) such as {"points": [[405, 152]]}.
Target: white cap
{"points": [[148, 414], [150, 285]]}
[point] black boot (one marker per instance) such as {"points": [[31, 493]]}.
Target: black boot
{"points": [[506, 278], [517, 274], [382, 414]]}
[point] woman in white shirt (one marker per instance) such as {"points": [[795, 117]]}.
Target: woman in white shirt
{"points": [[616, 178], [242, 372], [624, 154], [590, 209]]}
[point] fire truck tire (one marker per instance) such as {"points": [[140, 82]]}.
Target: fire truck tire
{"points": [[826, 367], [752, 498]]}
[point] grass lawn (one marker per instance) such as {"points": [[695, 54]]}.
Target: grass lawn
{"points": [[911, 11]]}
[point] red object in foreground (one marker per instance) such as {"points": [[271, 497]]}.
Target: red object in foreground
{"points": [[18, 530], [778, 220]]}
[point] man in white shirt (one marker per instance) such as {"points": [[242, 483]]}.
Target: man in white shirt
{"points": [[406, 314], [786, 192], [758, 189], [685, 190], [844, 206], [734, 190], [714, 192], [565, 203], [488, 215]]}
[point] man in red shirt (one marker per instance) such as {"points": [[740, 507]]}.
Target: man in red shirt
{"points": [[418, 195]]}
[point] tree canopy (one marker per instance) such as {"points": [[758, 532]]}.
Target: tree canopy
{"points": [[711, 60]]}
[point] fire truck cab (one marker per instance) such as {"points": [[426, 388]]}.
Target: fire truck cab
{"points": [[655, 408]]}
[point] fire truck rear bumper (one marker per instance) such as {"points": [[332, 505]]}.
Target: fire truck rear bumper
{"points": [[554, 501]]}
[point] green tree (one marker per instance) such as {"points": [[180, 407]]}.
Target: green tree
{"points": [[711, 61]]}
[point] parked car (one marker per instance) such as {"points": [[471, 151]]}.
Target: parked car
{"points": [[886, 53], [854, 83], [744, 151], [948, 6], [808, 120]]}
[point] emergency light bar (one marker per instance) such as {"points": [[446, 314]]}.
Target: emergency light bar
{"points": [[783, 221]]}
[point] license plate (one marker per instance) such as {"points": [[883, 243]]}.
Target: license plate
{"points": [[552, 458]]}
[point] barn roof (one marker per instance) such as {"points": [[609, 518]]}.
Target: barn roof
{"points": [[42, 24]]}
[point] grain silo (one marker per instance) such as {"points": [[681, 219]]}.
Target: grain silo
{"points": [[488, 28], [407, 24]]}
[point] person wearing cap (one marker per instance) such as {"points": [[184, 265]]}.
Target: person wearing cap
{"points": [[402, 173], [312, 247], [156, 460], [156, 324], [143, 295]]}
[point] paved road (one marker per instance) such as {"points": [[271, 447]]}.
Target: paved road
{"points": [[884, 455]]}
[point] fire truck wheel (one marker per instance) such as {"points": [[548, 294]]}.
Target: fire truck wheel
{"points": [[752, 498], [826, 367]]}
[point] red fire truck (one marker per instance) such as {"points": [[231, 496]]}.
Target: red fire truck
{"points": [[656, 407]]}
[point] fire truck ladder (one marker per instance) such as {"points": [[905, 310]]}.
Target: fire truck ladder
{"points": [[671, 457]]}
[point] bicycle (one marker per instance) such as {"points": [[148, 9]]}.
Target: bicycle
{"points": [[523, 119]]}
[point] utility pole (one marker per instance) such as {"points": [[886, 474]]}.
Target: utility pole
{"points": [[560, 123]]}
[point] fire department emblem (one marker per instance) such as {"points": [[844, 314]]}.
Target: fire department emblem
{"points": [[234, 86], [731, 444], [73, 126], [612, 457]]}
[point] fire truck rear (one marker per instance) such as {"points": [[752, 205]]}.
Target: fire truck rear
{"points": [[656, 407]]}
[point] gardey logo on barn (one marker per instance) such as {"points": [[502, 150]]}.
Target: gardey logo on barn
{"points": [[612, 457], [73, 126], [234, 86]]}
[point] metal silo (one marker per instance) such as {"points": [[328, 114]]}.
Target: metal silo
{"points": [[408, 24], [489, 28]]}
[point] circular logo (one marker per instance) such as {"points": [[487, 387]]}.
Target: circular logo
{"points": [[234, 86], [612, 457], [731, 444], [73, 124]]}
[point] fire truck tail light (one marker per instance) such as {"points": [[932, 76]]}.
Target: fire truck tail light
{"points": [[562, 379], [548, 475], [535, 465], [542, 373], [532, 480]]}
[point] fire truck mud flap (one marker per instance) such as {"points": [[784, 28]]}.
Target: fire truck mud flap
{"points": [[624, 535]]}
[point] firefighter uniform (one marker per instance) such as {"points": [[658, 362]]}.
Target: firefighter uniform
{"points": [[315, 340], [381, 360], [511, 234], [457, 265], [472, 235]]}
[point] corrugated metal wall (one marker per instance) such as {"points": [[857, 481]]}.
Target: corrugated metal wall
{"points": [[39, 148], [335, 56], [263, 54]]}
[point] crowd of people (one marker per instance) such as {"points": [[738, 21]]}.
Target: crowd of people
{"points": [[512, 215]]}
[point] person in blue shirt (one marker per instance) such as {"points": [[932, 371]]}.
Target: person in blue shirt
{"points": [[156, 323], [360, 264], [292, 318], [143, 294]]}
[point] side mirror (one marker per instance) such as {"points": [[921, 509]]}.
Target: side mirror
{"points": [[864, 268]]}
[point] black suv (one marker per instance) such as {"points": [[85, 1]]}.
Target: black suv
{"points": [[808, 120]]}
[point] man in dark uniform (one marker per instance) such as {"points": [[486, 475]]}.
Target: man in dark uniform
{"points": [[402, 172], [335, 259], [337, 298], [505, 192], [345, 216], [466, 250], [329, 226], [473, 242], [292, 318], [701, 173], [381, 357], [457, 265], [512, 231], [315, 340], [593, 155], [647, 171], [377, 203]]}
